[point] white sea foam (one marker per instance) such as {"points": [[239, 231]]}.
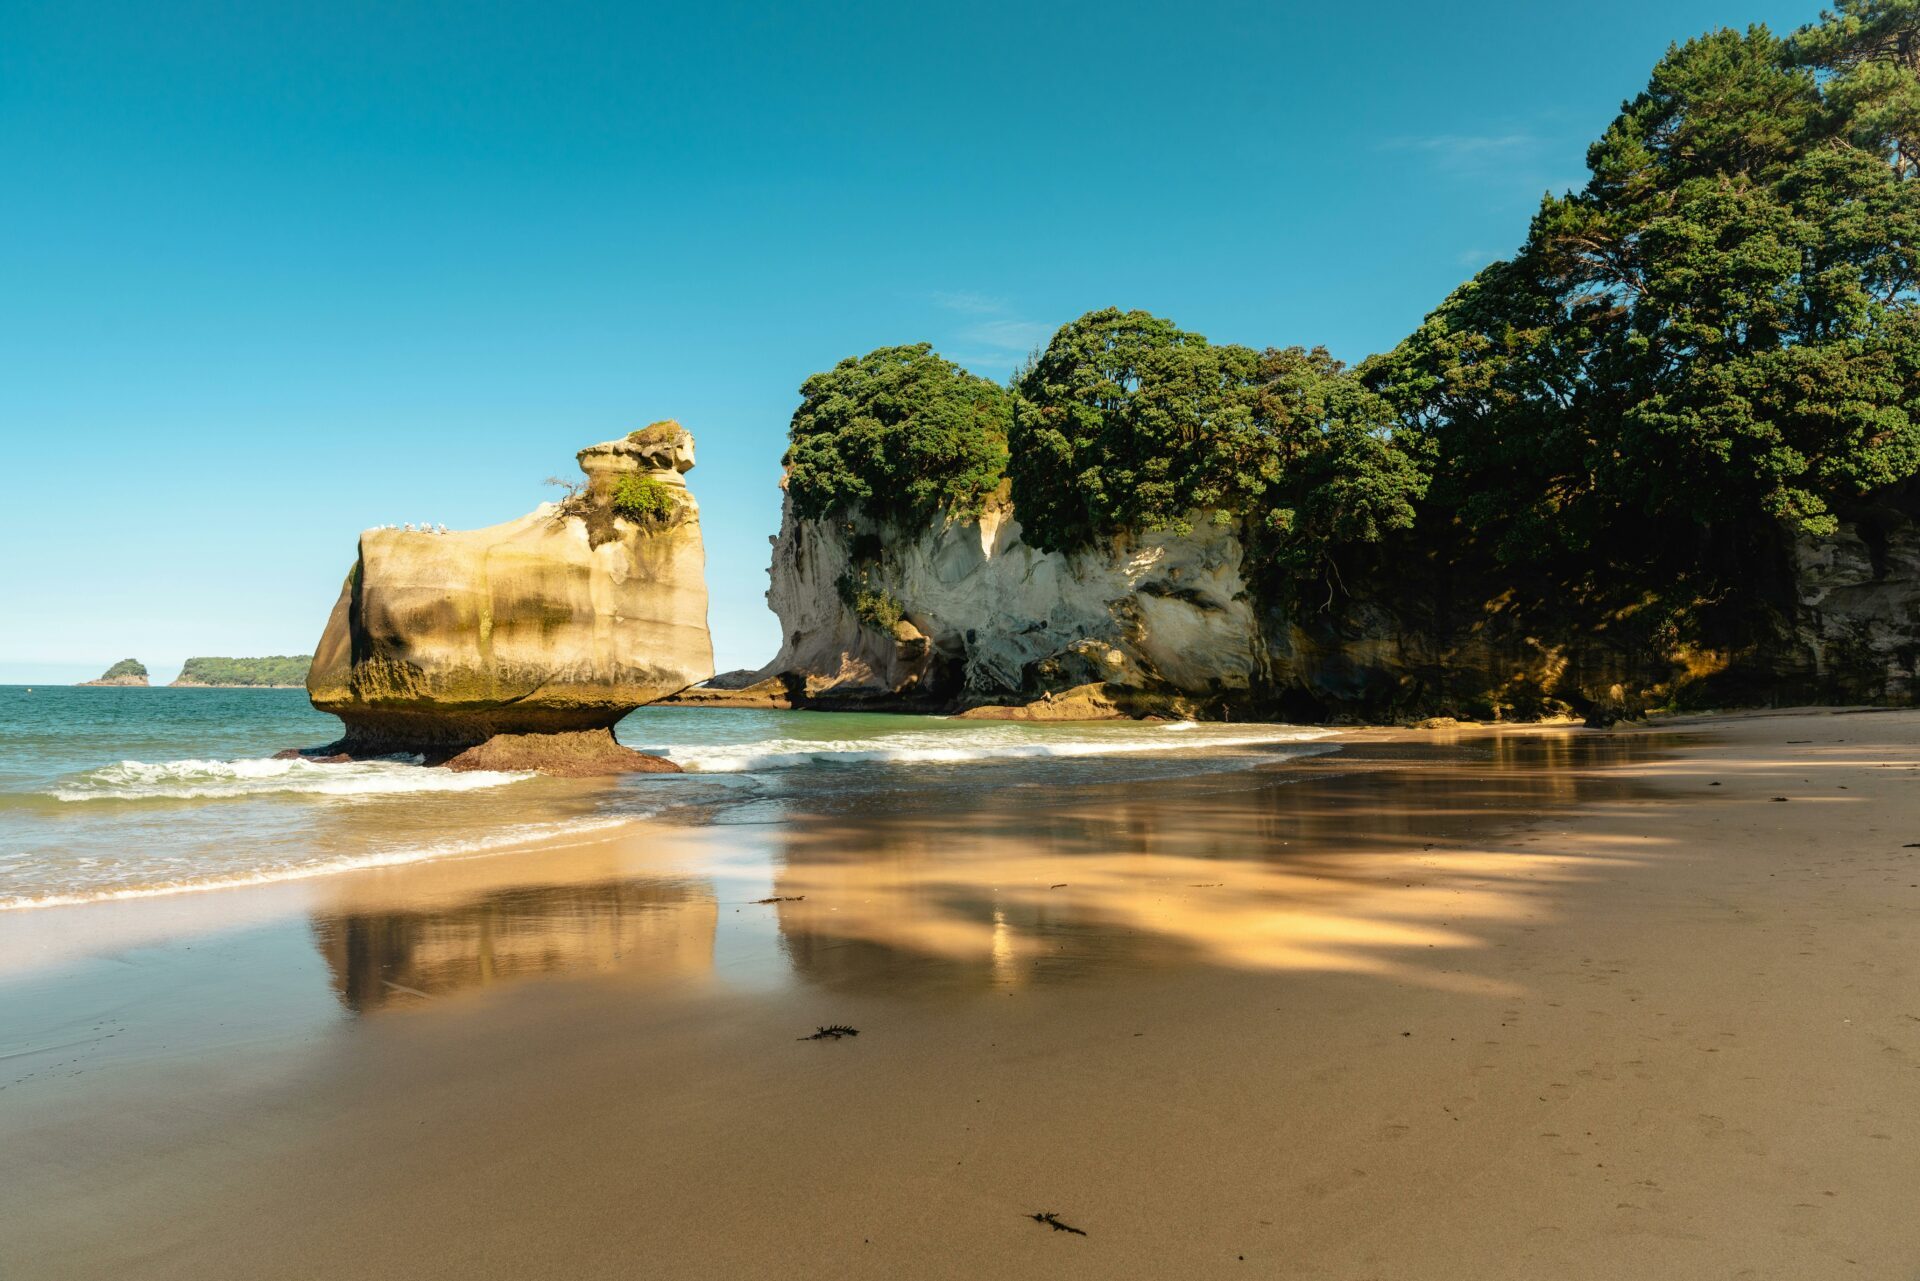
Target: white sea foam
{"points": [[976, 746], [217, 780], [505, 838]]}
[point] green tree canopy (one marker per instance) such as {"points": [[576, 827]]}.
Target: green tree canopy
{"points": [[1719, 329], [278, 669], [1127, 422], [1870, 50], [1335, 472], [901, 433]]}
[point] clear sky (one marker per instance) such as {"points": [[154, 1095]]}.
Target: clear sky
{"points": [[273, 273]]}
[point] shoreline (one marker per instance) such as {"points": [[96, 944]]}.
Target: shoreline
{"points": [[710, 765], [1443, 1004]]}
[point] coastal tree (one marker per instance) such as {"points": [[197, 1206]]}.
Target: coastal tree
{"points": [[1128, 423], [1717, 333], [1336, 473], [899, 432], [1869, 51]]}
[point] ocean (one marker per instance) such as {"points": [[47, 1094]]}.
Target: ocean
{"points": [[110, 793]]}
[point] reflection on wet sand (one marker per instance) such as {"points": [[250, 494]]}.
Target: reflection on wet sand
{"points": [[660, 927], [1361, 862], [1379, 859]]}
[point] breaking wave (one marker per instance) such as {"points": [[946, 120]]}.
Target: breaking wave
{"points": [[190, 780], [981, 745], [505, 838]]}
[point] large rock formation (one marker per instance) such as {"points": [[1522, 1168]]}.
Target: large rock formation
{"points": [[1159, 622], [520, 645], [1819, 620], [964, 614]]}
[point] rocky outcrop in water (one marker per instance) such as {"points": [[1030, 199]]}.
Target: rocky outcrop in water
{"points": [[128, 671], [519, 646]]}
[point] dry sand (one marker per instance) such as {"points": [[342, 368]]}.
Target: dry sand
{"points": [[1533, 1005]]}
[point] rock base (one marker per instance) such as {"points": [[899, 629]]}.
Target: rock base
{"points": [[573, 754], [1097, 702], [1082, 703], [581, 754]]}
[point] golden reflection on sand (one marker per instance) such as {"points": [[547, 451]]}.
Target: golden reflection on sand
{"points": [[1378, 861], [380, 957], [1364, 865]]}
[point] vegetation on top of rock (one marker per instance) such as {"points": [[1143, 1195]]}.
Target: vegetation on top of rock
{"points": [[643, 499], [125, 667], [653, 433], [1126, 422], [276, 669], [900, 432]]}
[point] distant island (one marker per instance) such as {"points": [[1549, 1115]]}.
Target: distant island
{"points": [[128, 671], [279, 671]]}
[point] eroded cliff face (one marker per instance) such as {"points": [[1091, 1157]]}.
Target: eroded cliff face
{"points": [[1160, 621], [1856, 630], [520, 645], [1167, 623], [1826, 621]]}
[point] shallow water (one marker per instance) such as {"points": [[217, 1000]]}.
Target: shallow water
{"points": [[119, 792]]}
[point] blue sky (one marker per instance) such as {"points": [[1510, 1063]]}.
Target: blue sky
{"points": [[273, 273]]}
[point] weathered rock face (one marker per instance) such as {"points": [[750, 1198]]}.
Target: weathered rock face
{"points": [[555, 624], [1159, 620], [1856, 631], [1831, 620], [1166, 623]]}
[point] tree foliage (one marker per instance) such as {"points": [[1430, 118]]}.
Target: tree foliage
{"points": [[276, 669], [1717, 339], [1718, 331], [1870, 52], [1128, 423], [901, 433]]}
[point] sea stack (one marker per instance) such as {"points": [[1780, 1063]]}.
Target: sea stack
{"points": [[519, 646], [128, 671]]}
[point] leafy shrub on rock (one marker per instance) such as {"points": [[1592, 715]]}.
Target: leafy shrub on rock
{"points": [[875, 606], [643, 499]]}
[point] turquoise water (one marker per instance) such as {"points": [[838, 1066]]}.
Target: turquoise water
{"points": [[122, 792]]}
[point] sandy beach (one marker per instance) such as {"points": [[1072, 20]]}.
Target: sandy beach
{"points": [[1539, 1003]]}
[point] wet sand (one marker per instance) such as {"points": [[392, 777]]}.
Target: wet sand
{"points": [[1530, 1005]]}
